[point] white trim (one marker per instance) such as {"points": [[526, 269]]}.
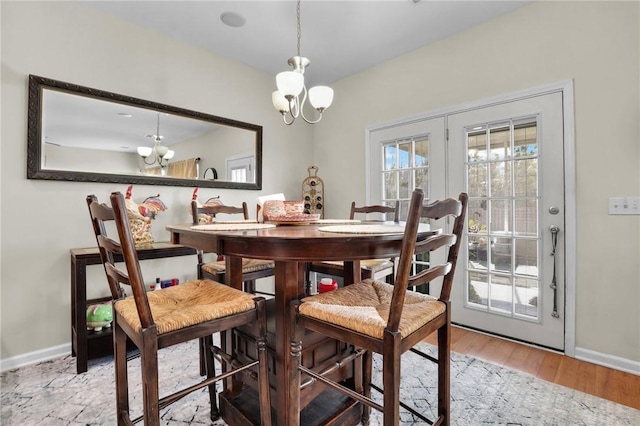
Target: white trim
{"points": [[35, 357], [570, 219], [606, 360], [566, 87]]}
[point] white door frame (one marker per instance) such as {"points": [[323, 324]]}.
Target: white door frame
{"points": [[566, 88]]}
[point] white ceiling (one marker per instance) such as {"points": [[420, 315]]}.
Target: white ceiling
{"points": [[340, 38]]}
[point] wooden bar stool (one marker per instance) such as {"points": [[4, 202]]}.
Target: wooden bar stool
{"points": [[159, 319], [252, 269], [374, 316]]}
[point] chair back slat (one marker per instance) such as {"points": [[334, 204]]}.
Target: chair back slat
{"points": [[385, 210], [429, 274], [131, 261], [417, 212], [100, 214], [213, 210]]}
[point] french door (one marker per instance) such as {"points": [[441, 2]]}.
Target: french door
{"points": [[509, 158]]}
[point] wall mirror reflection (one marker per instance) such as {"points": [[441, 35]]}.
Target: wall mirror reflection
{"points": [[82, 134]]}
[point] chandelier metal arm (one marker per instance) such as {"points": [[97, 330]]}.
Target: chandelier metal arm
{"points": [[144, 159]]}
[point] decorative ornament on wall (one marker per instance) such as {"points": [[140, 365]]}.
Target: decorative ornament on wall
{"points": [[313, 193]]}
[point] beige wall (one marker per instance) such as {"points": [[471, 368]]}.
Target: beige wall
{"points": [[595, 43], [42, 220]]}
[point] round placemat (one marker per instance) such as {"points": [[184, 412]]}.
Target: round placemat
{"points": [[364, 229], [232, 226]]}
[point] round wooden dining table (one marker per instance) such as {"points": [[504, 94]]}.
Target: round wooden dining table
{"points": [[292, 247]]}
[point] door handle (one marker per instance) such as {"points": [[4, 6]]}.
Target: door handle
{"points": [[554, 281]]}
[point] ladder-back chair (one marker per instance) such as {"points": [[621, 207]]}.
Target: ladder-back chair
{"points": [[370, 268], [252, 269], [159, 319], [389, 320]]}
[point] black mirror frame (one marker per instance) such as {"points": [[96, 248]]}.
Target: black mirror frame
{"points": [[34, 139]]}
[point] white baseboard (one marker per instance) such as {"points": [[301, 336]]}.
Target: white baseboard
{"points": [[35, 357], [611, 361]]}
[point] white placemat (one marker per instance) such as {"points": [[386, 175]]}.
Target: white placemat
{"points": [[235, 221], [364, 229], [328, 221], [232, 226]]}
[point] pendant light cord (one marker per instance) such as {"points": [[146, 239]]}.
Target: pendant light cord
{"points": [[299, 28]]}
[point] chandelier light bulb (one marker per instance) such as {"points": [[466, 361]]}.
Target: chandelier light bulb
{"points": [[144, 151], [280, 103], [161, 150], [169, 155], [290, 83], [321, 97]]}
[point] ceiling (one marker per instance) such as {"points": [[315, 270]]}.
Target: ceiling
{"points": [[341, 38]]}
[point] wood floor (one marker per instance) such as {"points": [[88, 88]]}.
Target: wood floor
{"points": [[607, 383]]}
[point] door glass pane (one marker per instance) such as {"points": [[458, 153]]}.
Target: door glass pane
{"points": [[389, 157], [477, 178], [477, 145], [477, 216], [500, 178], [477, 252], [390, 185], [404, 183], [525, 174], [526, 217], [525, 139], [501, 294], [526, 257], [527, 297], [404, 157], [500, 216], [500, 142], [477, 288], [422, 180], [421, 157]]}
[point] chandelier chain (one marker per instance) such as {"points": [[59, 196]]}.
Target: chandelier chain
{"points": [[158, 138], [299, 30]]}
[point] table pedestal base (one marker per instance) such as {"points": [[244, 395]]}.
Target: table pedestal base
{"points": [[328, 408], [320, 405]]}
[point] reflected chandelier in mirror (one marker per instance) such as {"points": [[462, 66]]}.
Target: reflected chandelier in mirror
{"points": [[76, 133]]}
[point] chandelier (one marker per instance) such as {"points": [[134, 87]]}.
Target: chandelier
{"points": [[286, 99], [159, 154]]}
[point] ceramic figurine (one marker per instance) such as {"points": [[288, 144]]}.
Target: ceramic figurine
{"points": [[99, 316]]}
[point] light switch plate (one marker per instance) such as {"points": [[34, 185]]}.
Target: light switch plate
{"points": [[624, 205]]}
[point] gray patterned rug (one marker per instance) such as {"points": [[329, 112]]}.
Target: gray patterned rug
{"points": [[51, 393]]}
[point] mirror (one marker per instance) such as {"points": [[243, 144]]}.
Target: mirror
{"points": [[76, 133]]}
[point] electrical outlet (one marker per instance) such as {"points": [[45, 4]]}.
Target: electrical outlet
{"points": [[624, 205]]}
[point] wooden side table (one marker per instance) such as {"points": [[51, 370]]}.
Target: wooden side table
{"points": [[86, 344]]}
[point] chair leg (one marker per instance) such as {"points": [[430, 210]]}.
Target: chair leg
{"points": [[367, 369], [444, 371], [250, 286], [205, 344], [149, 365], [263, 366], [391, 378], [122, 380], [202, 348], [295, 360]]}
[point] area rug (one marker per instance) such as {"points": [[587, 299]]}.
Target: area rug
{"points": [[51, 393]]}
